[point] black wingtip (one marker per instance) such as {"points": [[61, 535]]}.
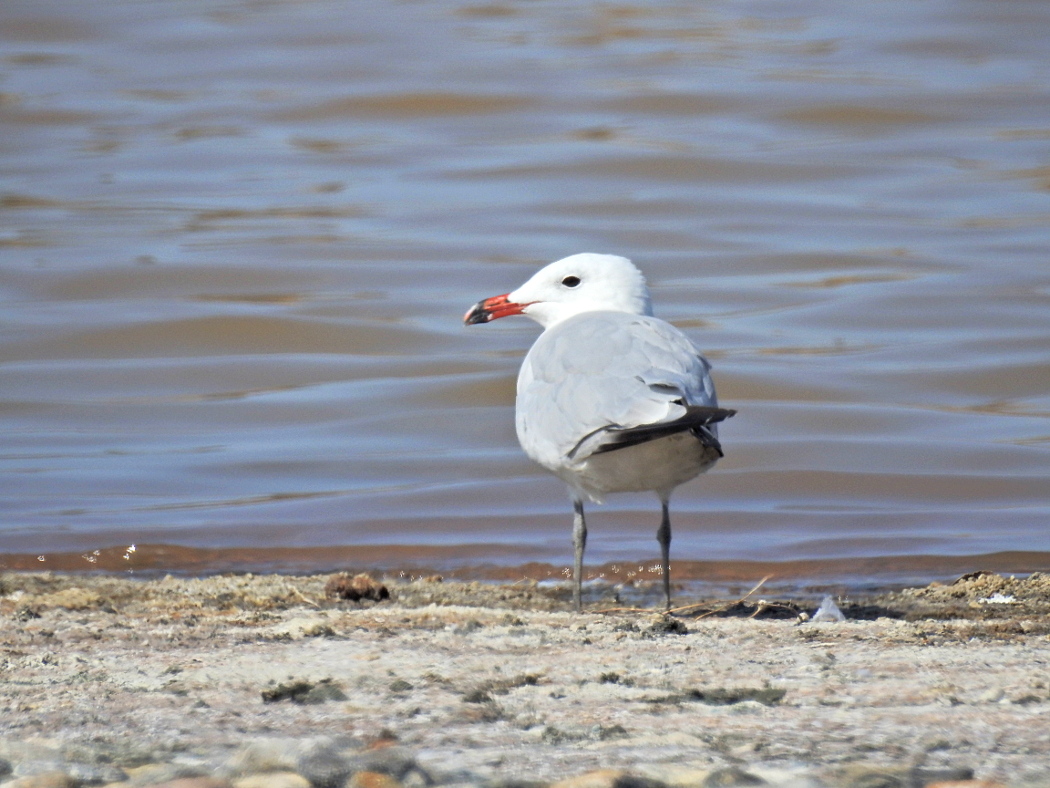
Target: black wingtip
{"points": [[716, 414], [696, 420]]}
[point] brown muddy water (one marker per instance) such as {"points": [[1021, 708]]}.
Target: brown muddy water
{"points": [[237, 238]]}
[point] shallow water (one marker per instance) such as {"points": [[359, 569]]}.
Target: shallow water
{"points": [[237, 240]]}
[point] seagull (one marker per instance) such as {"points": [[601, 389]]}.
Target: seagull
{"points": [[610, 399]]}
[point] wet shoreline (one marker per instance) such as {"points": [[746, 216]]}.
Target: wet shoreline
{"points": [[804, 578]]}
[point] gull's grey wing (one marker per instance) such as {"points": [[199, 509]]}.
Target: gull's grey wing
{"points": [[602, 380]]}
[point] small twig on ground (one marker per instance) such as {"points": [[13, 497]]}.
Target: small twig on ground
{"points": [[765, 607], [713, 611], [305, 598], [683, 608]]}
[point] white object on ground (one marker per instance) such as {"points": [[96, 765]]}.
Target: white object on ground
{"points": [[998, 598], [610, 399], [828, 611]]}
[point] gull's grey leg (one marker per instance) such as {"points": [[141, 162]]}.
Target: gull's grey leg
{"points": [[663, 536], [579, 542]]}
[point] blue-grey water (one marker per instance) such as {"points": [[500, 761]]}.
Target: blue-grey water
{"points": [[237, 239]]}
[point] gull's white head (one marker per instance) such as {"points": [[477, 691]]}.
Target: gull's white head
{"points": [[580, 283]]}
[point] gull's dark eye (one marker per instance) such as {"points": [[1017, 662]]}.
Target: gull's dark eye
{"points": [[571, 281]]}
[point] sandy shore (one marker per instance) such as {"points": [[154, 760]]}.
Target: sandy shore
{"points": [[232, 677]]}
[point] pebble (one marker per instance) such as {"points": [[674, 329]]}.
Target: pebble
{"points": [[196, 782], [20, 755], [272, 780], [268, 755], [865, 776], [608, 778], [346, 762], [159, 774], [602, 778], [396, 762], [925, 777], [373, 780], [993, 695], [324, 766], [665, 625], [304, 692], [48, 779], [94, 773], [675, 775], [305, 627], [731, 777]]}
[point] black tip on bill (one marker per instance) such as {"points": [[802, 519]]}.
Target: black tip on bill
{"points": [[477, 314]]}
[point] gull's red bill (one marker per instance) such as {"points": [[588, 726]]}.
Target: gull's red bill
{"points": [[491, 309]]}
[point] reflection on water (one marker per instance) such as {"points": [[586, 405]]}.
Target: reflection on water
{"points": [[236, 240]]}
